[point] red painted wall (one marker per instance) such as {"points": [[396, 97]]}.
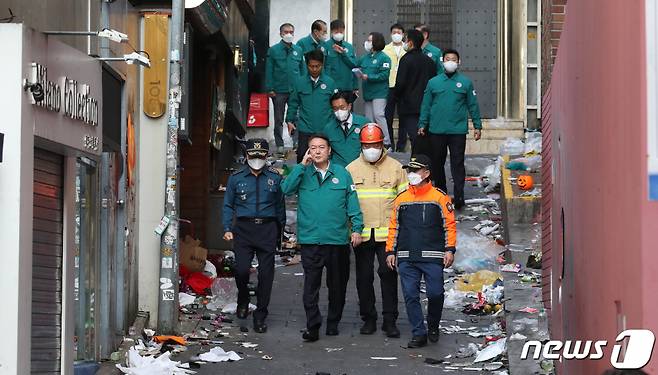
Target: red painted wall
{"points": [[609, 261]]}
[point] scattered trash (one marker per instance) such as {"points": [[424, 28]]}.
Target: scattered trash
{"points": [[534, 260], [454, 299], [492, 351], [185, 299], [267, 357], [232, 307], [244, 329], [536, 192], [384, 358], [517, 337], [218, 354], [329, 350], [475, 253], [248, 345], [512, 267], [529, 310], [169, 339], [299, 273], [547, 366], [162, 365], [224, 293], [512, 146], [467, 351], [474, 282]]}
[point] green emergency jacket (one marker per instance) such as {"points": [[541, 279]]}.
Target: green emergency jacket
{"points": [[377, 67], [339, 66], [308, 106], [447, 103], [345, 147]]}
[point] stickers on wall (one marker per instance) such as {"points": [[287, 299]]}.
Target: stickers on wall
{"points": [[168, 262]]}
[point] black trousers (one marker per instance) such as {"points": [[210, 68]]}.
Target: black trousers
{"points": [[440, 144], [302, 145], [259, 239], [408, 128], [389, 113], [336, 258], [365, 276]]}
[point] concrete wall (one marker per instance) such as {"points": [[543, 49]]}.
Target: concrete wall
{"points": [[599, 148], [16, 213], [58, 15]]}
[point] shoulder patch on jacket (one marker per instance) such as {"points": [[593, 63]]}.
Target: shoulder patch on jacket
{"points": [[273, 170], [450, 207]]}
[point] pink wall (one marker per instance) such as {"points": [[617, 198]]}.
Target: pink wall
{"points": [[598, 116]]}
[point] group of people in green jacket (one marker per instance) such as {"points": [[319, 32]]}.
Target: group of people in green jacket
{"points": [[303, 76]]}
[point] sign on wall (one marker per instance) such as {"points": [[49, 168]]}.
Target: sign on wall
{"points": [[62, 88], [156, 43]]}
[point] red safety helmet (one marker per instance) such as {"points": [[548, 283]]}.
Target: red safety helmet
{"points": [[371, 133]]}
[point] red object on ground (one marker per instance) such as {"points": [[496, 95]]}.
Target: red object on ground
{"points": [[259, 111], [195, 280]]}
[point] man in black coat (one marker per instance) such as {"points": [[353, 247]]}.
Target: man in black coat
{"points": [[414, 71]]}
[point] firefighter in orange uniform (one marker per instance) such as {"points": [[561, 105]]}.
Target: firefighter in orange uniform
{"points": [[422, 236]]}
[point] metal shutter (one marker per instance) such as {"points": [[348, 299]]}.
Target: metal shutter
{"points": [[47, 262]]}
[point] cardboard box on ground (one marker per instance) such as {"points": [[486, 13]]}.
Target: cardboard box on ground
{"points": [[192, 255]]}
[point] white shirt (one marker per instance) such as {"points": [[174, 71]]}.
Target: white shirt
{"points": [[398, 50], [323, 173], [348, 122], [315, 80]]}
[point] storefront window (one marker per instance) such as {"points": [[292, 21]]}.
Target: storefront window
{"points": [[86, 245]]}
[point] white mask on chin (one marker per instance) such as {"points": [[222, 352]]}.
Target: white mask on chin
{"points": [[256, 164], [372, 154]]}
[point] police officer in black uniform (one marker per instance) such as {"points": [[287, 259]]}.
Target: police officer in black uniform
{"points": [[254, 198]]}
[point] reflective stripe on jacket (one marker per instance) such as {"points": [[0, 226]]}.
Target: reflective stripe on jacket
{"points": [[422, 225], [377, 185]]}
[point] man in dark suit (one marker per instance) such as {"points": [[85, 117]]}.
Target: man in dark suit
{"points": [[415, 70]]}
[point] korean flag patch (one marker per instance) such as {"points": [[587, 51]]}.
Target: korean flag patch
{"points": [[323, 86], [386, 65], [474, 93], [459, 84], [335, 180], [353, 187], [450, 207]]}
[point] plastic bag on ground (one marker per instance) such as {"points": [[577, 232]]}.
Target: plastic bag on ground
{"points": [[454, 299], [218, 354], [474, 282], [475, 252], [224, 292], [210, 269], [148, 365], [531, 163], [512, 146], [232, 308], [533, 143], [492, 351]]}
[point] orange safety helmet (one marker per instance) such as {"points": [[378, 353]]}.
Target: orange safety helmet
{"points": [[525, 182], [371, 133]]}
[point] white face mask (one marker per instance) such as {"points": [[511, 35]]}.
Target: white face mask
{"points": [[342, 115], [405, 46], [367, 45], [288, 38], [414, 178], [256, 164], [339, 37], [450, 66], [396, 38], [372, 154]]}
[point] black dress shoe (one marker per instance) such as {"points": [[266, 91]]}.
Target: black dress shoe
{"points": [[417, 342], [369, 327], [458, 203], [260, 326], [331, 330], [242, 312], [311, 335], [391, 329], [433, 334]]}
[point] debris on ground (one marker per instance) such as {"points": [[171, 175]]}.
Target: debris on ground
{"points": [[218, 354], [492, 351], [153, 365]]}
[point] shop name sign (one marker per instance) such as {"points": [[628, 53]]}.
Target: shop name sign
{"points": [[69, 96]]}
